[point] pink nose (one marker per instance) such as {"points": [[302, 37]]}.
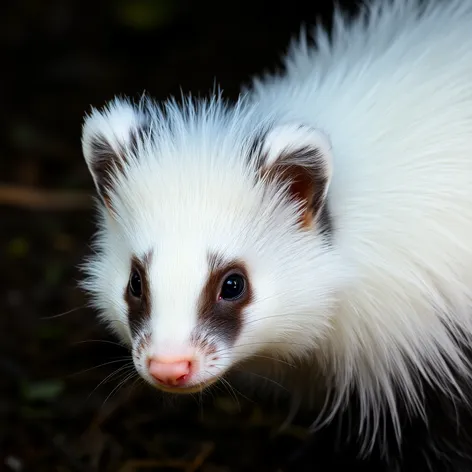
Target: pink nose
{"points": [[170, 373]]}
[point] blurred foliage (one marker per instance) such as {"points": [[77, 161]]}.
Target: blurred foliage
{"points": [[146, 14], [43, 390], [18, 247]]}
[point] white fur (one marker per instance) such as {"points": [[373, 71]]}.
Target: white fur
{"points": [[289, 138], [392, 93]]}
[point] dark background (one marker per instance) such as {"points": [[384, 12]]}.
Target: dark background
{"points": [[59, 58]]}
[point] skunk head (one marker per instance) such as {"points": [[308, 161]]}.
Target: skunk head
{"points": [[214, 247]]}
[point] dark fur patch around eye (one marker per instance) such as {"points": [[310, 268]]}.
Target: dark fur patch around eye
{"points": [[139, 309], [225, 318]]}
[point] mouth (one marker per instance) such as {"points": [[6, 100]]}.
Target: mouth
{"points": [[187, 390]]}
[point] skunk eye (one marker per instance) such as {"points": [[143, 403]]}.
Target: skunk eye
{"points": [[135, 284], [233, 287]]}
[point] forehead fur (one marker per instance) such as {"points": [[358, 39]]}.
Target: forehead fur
{"points": [[190, 173]]}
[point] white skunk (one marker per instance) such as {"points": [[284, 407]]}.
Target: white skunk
{"points": [[324, 220]]}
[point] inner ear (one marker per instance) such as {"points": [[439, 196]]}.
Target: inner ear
{"points": [[300, 157], [107, 164], [301, 189]]}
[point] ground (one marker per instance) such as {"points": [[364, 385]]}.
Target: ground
{"points": [[58, 409]]}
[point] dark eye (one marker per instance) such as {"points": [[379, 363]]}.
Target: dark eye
{"points": [[233, 287], [135, 284]]}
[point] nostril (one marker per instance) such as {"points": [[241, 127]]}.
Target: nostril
{"points": [[170, 372], [181, 379]]}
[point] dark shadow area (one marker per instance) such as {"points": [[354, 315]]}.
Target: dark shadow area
{"points": [[62, 403]]}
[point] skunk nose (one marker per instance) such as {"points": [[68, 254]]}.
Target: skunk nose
{"points": [[173, 373]]}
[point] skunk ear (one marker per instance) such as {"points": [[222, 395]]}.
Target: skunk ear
{"points": [[300, 156], [108, 135]]}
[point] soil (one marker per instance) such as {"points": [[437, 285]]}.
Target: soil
{"points": [[64, 402]]}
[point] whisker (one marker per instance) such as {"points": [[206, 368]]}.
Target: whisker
{"points": [[109, 376], [97, 366], [275, 359], [232, 393], [226, 381], [242, 394], [200, 403], [262, 343], [99, 341], [120, 385], [254, 355], [131, 369], [136, 382], [267, 379], [63, 314]]}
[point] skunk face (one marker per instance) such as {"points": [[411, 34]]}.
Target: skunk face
{"points": [[213, 247]]}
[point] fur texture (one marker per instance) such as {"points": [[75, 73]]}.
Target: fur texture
{"points": [[382, 305]]}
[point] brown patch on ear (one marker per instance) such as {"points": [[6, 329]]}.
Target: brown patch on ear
{"points": [[109, 163], [307, 184], [139, 309], [301, 190], [224, 317]]}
